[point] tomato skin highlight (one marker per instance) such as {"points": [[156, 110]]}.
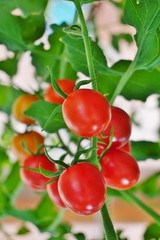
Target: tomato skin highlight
{"points": [[121, 124], [119, 169], [53, 193], [52, 96], [34, 180], [21, 104], [32, 140], [86, 112], [82, 188]]}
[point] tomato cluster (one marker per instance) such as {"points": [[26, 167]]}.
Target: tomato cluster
{"points": [[81, 187]]}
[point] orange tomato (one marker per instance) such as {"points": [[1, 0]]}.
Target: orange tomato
{"points": [[33, 140], [21, 104]]}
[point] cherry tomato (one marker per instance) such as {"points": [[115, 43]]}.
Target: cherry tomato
{"points": [[121, 124], [21, 104], [126, 147], [52, 96], [102, 146], [53, 193], [32, 140], [82, 188], [119, 169], [34, 180], [86, 112]]}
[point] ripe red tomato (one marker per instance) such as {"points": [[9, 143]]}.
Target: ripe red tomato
{"points": [[126, 147], [121, 124], [82, 188], [34, 180], [21, 104], [53, 193], [119, 169], [102, 146], [52, 96], [32, 139], [86, 112]]}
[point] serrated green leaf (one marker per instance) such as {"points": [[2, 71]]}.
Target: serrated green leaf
{"points": [[54, 57], [141, 84], [41, 111], [10, 35], [75, 47], [152, 232], [7, 97], [143, 150], [144, 15]]}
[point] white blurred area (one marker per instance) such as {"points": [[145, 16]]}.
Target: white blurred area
{"points": [[147, 115]]}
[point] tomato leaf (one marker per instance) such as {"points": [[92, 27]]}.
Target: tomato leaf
{"points": [[144, 15], [9, 66], [54, 57], [41, 111], [141, 84], [152, 232], [75, 47], [7, 97], [10, 35], [151, 186], [143, 150]]}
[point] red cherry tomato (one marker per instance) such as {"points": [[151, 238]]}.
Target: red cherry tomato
{"points": [[53, 193], [121, 124], [52, 96], [102, 146], [126, 147], [119, 169], [34, 180], [82, 188], [86, 112]]}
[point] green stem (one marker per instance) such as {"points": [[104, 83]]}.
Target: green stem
{"points": [[56, 222], [110, 233], [123, 81], [133, 199], [64, 145], [87, 44], [92, 73]]}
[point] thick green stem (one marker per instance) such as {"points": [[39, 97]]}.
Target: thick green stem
{"points": [[108, 225], [133, 199], [92, 73], [123, 81], [109, 229], [87, 44]]}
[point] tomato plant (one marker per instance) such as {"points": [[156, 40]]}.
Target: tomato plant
{"points": [[26, 144], [82, 188], [51, 95], [119, 169], [35, 180], [85, 122], [21, 104], [86, 112]]}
